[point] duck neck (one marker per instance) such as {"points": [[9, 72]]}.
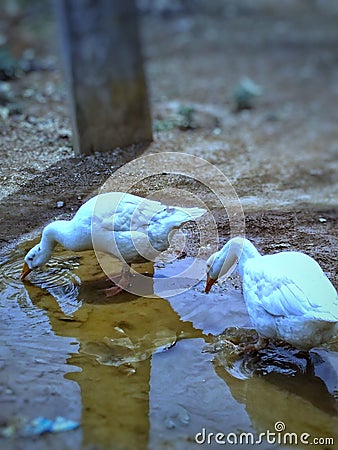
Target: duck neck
{"points": [[54, 233], [248, 251]]}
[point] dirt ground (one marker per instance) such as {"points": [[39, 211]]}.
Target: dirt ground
{"points": [[281, 156]]}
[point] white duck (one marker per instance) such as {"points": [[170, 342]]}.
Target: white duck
{"points": [[128, 227], [287, 295]]}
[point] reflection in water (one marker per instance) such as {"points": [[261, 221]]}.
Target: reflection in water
{"points": [[146, 380], [186, 395], [211, 312], [32, 362], [281, 383], [302, 402], [117, 337]]}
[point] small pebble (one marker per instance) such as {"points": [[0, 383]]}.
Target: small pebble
{"points": [[169, 423], [64, 133], [322, 219], [60, 204]]}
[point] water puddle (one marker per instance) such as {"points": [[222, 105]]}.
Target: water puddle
{"points": [[147, 373]]}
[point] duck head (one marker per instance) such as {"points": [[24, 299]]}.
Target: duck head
{"points": [[223, 262], [36, 257]]}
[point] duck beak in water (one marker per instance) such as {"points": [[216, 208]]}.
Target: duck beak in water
{"points": [[210, 282], [25, 271]]}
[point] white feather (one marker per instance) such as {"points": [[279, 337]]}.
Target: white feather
{"points": [[126, 226], [287, 294]]}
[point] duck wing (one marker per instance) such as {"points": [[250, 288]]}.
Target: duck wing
{"points": [[126, 212], [131, 247], [119, 213], [290, 284]]}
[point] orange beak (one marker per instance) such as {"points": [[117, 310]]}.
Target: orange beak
{"points": [[25, 271], [210, 282]]}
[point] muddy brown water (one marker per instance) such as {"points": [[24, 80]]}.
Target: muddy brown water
{"points": [[139, 373]]}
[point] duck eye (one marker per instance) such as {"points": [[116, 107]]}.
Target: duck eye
{"points": [[30, 258]]}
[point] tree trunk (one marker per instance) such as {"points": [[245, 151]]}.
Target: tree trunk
{"points": [[104, 70]]}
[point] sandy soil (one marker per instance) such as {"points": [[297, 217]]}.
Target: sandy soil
{"points": [[281, 154]]}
